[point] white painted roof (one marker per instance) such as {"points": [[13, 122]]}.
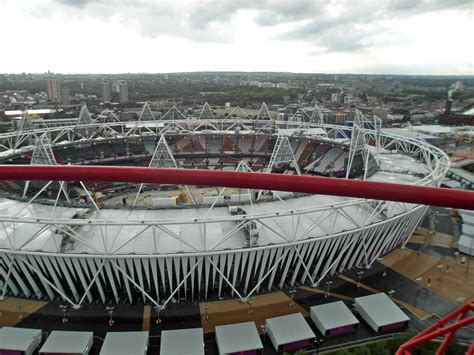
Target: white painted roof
{"points": [[125, 343], [381, 309], [17, 339], [289, 329], [239, 337], [334, 315], [66, 342], [182, 341]]}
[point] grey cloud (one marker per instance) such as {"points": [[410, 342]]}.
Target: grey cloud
{"points": [[207, 12], [352, 28], [314, 22], [76, 3]]}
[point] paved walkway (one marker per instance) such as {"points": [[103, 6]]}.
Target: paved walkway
{"points": [[261, 307]]}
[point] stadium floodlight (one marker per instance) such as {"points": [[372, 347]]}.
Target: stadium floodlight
{"points": [[85, 117], [173, 114], [206, 112], [264, 113]]}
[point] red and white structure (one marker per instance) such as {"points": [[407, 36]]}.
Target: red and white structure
{"points": [[252, 235]]}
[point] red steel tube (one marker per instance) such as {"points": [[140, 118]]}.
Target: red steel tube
{"points": [[449, 337], [306, 184], [420, 340], [466, 307], [427, 334]]}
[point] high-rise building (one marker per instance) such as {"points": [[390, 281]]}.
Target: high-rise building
{"points": [[66, 97], [106, 90], [123, 92], [53, 89]]}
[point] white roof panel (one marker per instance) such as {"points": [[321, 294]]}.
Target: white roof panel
{"points": [[125, 343], [67, 342], [18, 339], [289, 329], [381, 309], [239, 337], [333, 315], [182, 341]]}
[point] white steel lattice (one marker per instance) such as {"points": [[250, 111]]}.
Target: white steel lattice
{"points": [[173, 114], [264, 113], [282, 154], [84, 117], [146, 114], [162, 157], [317, 116], [206, 112]]}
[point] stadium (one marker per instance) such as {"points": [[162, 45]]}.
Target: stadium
{"points": [[122, 242]]}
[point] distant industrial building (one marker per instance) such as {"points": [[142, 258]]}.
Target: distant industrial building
{"points": [[65, 97], [106, 91], [123, 92], [53, 89], [463, 118]]}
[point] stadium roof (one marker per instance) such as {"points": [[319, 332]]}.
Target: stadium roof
{"points": [[171, 240]]}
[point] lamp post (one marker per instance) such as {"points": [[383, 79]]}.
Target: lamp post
{"points": [[110, 311], [264, 331], [328, 286], [158, 310], [206, 314], [359, 276], [249, 302], [384, 273], [63, 308], [20, 310], [440, 268]]}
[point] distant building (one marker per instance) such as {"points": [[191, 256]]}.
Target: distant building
{"points": [[266, 84], [53, 89], [463, 118], [337, 98], [65, 97], [123, 92], [106, 91]]}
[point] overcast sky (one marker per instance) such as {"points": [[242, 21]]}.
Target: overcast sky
{"points": [[332, 36]]}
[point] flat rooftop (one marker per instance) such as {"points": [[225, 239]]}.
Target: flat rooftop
{"points": [[236, 338], [67, 342], [125, 343], [289, 329], [381, 309], [333, 315], [182, 341], [17, 339]]}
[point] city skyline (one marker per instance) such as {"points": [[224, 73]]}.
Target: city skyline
{"points": [[388, 37]]}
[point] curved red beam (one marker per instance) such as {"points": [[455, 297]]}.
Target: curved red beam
{"points": [[307, 184]]}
